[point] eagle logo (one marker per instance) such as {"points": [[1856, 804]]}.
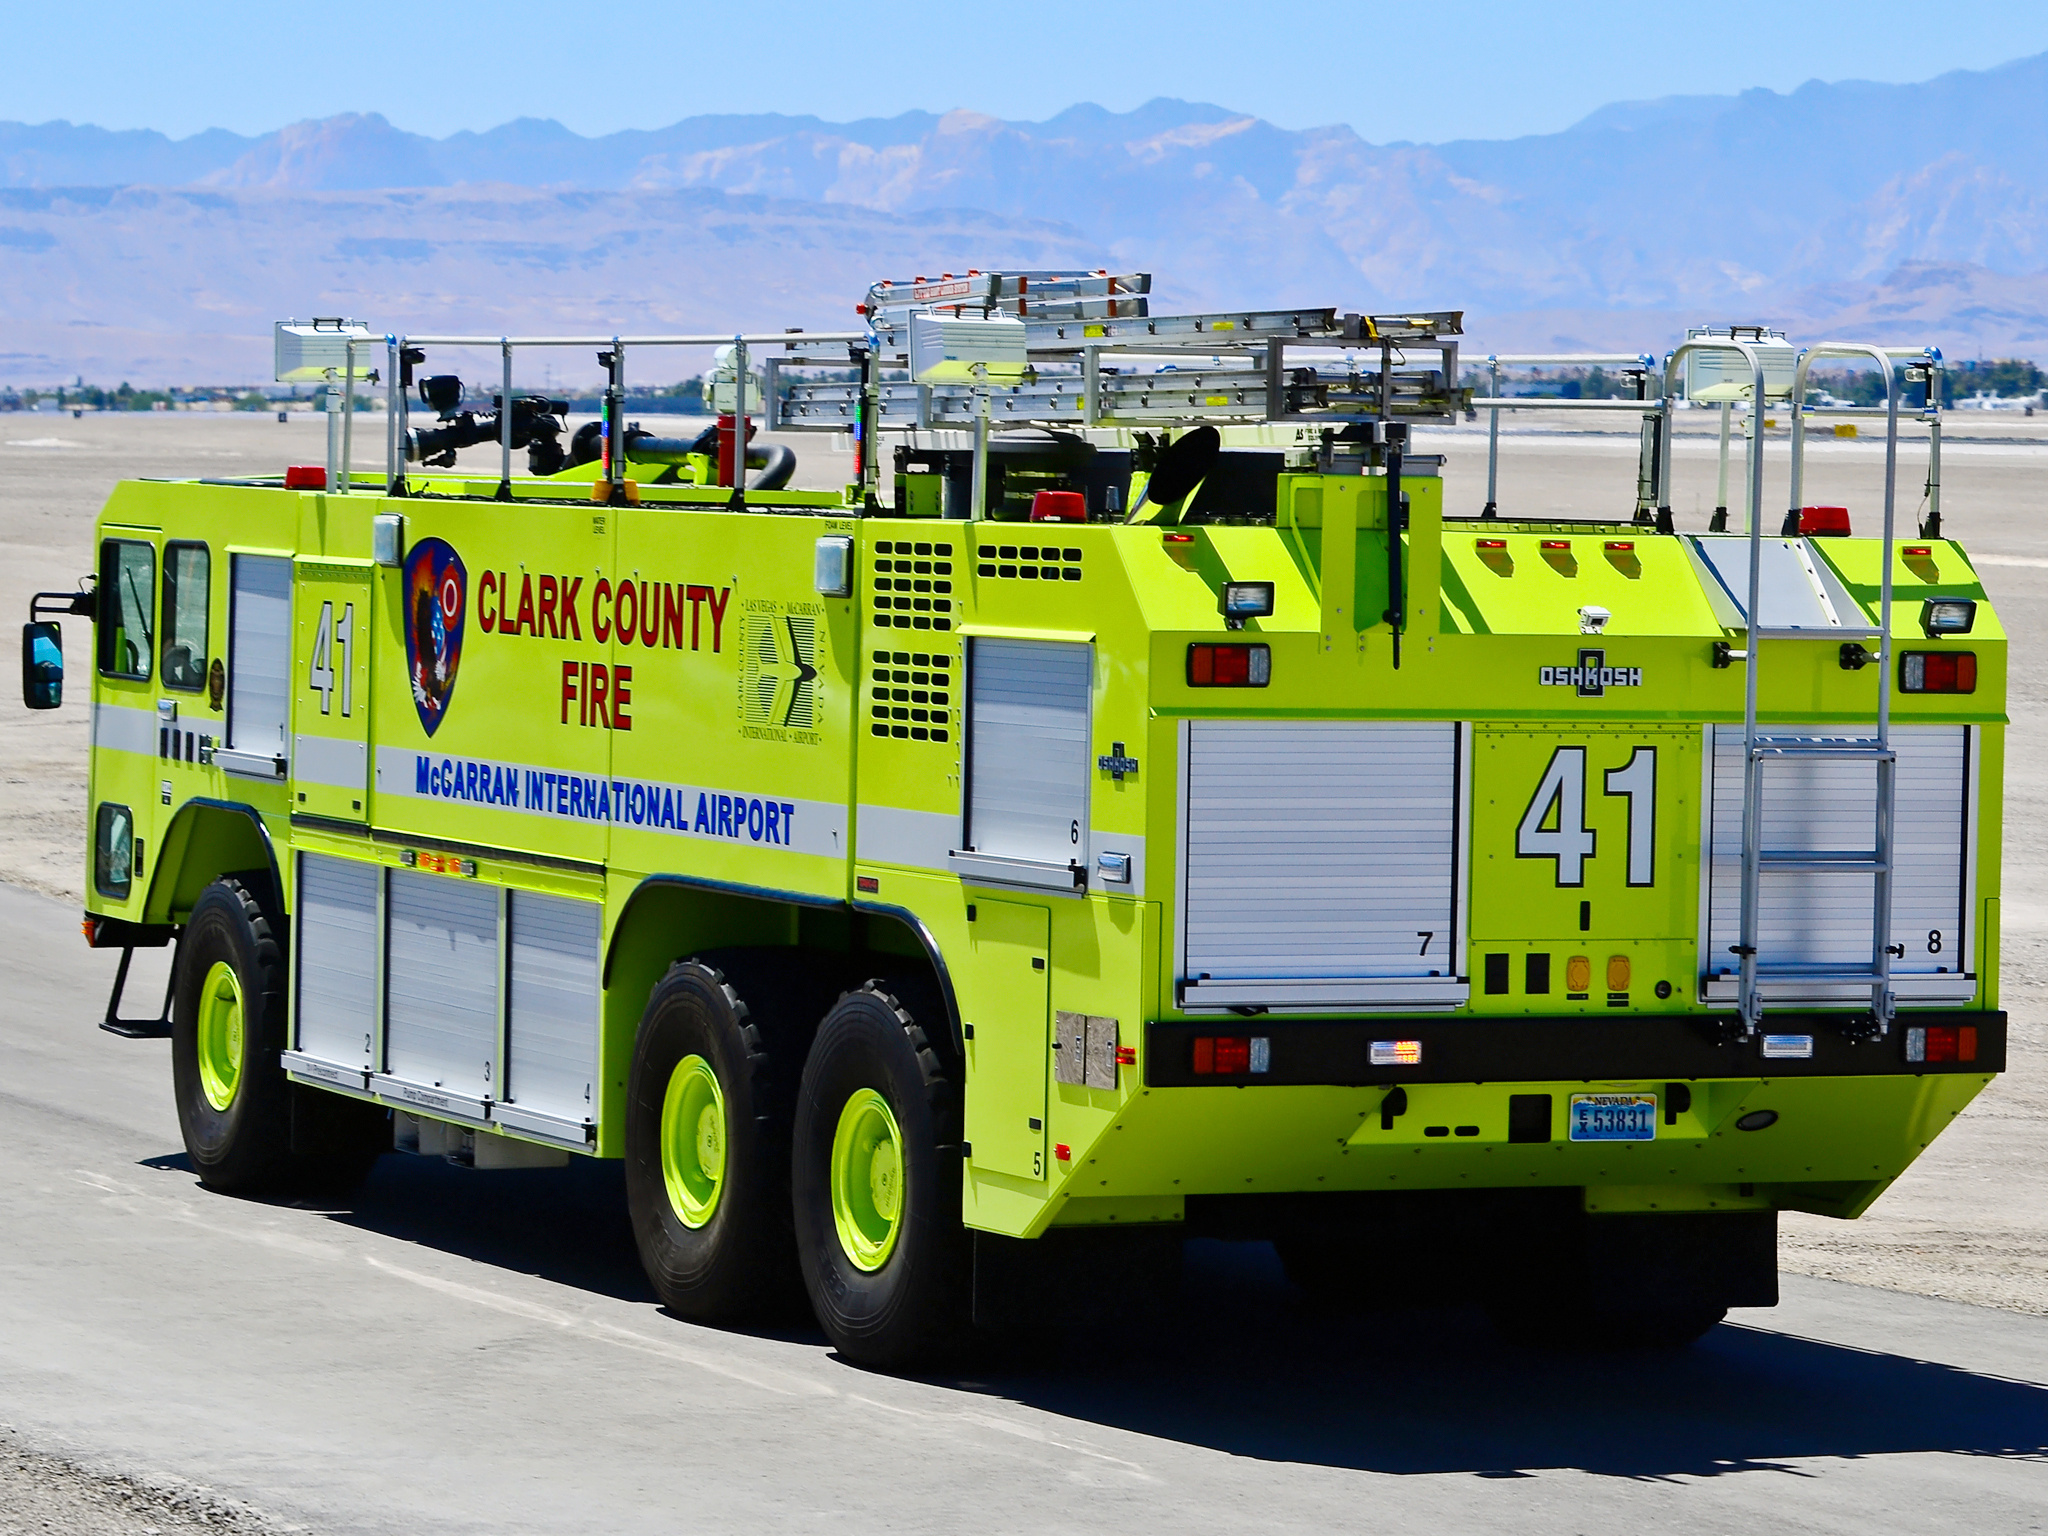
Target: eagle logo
{"points": [[436, 604]]}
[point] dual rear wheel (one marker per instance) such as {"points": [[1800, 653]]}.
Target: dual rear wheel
{"points": [[760, 1149]]}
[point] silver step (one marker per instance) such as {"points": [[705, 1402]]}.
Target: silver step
{"points": [[1803, 862], [1847, 750]]}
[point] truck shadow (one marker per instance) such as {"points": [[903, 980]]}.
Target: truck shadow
{"points": [[1239, 1363], [1240, 1366]]}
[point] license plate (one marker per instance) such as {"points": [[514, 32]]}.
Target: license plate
{"points": [[1613, 1117]]}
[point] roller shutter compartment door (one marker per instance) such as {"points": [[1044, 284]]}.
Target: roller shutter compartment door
{"points": [[1028, 779], [337, 949], [1320, 865], [552, 1010], [259, 666], [1824, 918], [441, 986]]}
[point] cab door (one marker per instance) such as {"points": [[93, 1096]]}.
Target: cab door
{"points": [[330, 757], [126, 735]]}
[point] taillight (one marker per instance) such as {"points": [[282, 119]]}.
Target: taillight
{"points": [[1229, 666], [1942, 1042], [1232, 1055], [1938, 672]]}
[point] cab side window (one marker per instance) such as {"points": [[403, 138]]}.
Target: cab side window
{"points": [[187, 572], [127, 600]]}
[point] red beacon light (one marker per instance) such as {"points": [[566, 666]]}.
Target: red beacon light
{"points": [[1059, 507], [305, 477], [1824, 522]]}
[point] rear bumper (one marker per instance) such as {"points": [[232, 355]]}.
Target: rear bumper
{"points": [[1569, 1048]]}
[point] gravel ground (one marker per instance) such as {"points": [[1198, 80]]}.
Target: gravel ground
{"points": [[41, 1492]]}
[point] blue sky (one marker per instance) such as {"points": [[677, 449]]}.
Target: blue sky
{"points": [[1423, 71]]}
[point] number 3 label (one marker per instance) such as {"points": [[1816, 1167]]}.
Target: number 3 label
{"points": [[1560, 800]]}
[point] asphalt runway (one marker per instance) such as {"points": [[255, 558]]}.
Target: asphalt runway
{"points": [[458, 1351], [465, 1351]]}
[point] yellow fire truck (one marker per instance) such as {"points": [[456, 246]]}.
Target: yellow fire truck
{"points": [[1135, 805]]}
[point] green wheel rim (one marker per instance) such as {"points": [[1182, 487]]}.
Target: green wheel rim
{"points": [[693, 1141], [220, 1035], [867, 1180]]}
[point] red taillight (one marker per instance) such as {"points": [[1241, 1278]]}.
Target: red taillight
{"points": [[1059, 507], [1832, 522], [1942, 1042], [1938, 672], [1232, 1055], [1229, 666], [305, 477]]}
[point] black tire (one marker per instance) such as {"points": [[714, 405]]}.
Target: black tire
{"points": [[747, 1017], [913, 1308], [247, 1146]]}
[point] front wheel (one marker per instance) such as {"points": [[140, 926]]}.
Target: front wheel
{"points": [[239, 1114], [876, 1186]]}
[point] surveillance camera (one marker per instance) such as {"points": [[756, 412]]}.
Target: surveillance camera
{"points": [[1592, 619]]}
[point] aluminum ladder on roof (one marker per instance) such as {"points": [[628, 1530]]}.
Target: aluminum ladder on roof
{"points": [[1761, 748]]}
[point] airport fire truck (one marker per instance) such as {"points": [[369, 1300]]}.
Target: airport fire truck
{"points": [[1134, 806]]}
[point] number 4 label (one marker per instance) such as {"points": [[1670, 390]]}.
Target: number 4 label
{"points": [[1554, 825]]}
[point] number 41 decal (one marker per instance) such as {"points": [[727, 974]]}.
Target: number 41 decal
{"points": [[1560, 799], [329, 636]]}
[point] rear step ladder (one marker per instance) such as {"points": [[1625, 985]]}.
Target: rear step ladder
{"points": [[1761, 748]]}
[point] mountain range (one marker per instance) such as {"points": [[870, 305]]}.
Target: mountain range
{"points": [[1915, 212]]}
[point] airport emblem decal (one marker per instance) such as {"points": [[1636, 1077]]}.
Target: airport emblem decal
{"points": [[436, 604]]}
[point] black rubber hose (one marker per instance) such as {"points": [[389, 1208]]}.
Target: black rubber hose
{"points": [[776, 472]]}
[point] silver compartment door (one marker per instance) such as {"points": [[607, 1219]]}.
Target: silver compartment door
{"points": [[441, 985], [337, 954], [1813, 805], [259, 666], [1320, 865], [552, 1007], [1028, 745]]}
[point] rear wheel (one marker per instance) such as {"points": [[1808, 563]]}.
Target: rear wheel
{"points": [[876, 1186], [248, 1130], [707, 1132]]}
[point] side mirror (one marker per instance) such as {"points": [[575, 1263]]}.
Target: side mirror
{"points": [[42, 665]]}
